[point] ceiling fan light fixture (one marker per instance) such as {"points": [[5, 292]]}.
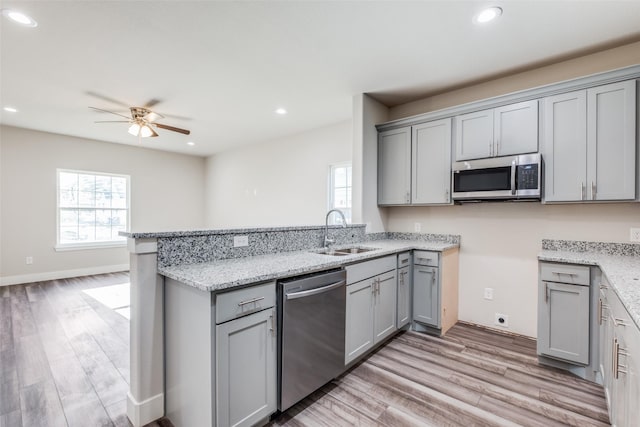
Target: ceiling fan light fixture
{"points": [[134, 129], [146, 131]]}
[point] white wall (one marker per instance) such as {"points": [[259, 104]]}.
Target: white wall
{"points": [[500, 243], [277, 183], [167, 192]]}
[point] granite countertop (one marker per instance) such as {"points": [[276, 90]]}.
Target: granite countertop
{"points": [[229, 273], [623, 273]]}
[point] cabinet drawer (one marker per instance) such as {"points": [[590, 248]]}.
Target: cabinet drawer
{"points": [[366, 269], [428, 258], [404, 259], [231, 305], [564, 273]]}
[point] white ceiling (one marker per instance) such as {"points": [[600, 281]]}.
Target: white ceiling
{"points": [[224, 67]]}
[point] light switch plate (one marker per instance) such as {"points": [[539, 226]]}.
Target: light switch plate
{"points": [[239, 241]]}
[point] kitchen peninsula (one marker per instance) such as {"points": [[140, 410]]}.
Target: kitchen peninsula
{"points": [[199, 265]]}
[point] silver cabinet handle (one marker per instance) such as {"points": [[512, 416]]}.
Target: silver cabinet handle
{"points": [[559, 273], [593, 190], [250, 301], [513, 178], [497, 147], [490, 149], [446, 195], [546, 292], [408, 196], [272, 328], [384, 280], [582, 191], [404, 261], [618, 368], [619, 322]]}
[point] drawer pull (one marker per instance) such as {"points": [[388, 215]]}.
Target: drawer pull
{"points": [[619, 322], [566, 274], [250, 301], [272, 328]]}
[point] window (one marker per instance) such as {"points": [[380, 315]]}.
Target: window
{"points": [[340, 191], [92, 208]]}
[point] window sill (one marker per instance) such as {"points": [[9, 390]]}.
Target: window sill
{"points": [[88, 246]]}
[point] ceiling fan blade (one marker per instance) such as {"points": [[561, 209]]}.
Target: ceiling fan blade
{"points": [[107, 111], [106, 98], [171, 128], [152, 102], [112, 121], [153, 132]]}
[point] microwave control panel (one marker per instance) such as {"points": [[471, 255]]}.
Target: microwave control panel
{"points": [[527, 177]]}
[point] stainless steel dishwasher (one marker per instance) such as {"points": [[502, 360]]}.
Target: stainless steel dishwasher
{"points": [[311, 312]]}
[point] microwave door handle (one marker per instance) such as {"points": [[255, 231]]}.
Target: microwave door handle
{"points": [[513, 177]]}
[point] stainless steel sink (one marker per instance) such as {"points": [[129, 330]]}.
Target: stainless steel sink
{"points": [[344, 251]]}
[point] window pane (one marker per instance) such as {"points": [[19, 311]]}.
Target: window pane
{"points": [[118, 200], [68, 217], [103, 233], [87, 182], [103, 217], [68, 181], [119, 218], [68, 234], [340, 177], [340, 198], [119, 185], [349, 176], [103, 200], [86, 233], [87, 217], [103, 184], [87, 199], [68, 199]]}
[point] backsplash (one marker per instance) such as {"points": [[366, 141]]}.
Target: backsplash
{"points": [[625, 249], [216, 245]]}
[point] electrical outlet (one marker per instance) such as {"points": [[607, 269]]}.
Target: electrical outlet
{"points": [[502, 320], [488, 293], [634, 235], [417, 227], [239, 241], [29, 260]]}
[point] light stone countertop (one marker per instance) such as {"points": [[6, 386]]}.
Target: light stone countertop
{"points": [[229, 273], [623, 273]]}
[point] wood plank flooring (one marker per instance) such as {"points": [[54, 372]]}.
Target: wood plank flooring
{"points": [[64, 361], [471, 377], [64, 357]]}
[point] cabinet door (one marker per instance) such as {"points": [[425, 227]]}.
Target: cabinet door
{"points": [[565, 147], [246, 369], [516, 128], [563, 321], [632, 362], [426, 296], [359, 319], [385, 306], [404, 296], [394, 167], [611, 142], [474, 135], [431, 162]]}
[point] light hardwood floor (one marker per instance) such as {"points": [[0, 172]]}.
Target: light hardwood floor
{"points": [[64, 361], [471, 377]]}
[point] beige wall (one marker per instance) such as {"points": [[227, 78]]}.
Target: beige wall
{"points": [[583, 66], [500, 240], [167, 193], [277, 183]]}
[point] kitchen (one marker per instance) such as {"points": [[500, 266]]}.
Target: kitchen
{"points": [[488, 231]]}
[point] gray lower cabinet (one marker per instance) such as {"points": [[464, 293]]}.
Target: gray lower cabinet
{"points": [[563, 312], [589, 144], [220, 355], [246, 359], [404, 289], [371, 305], [426, 295]]}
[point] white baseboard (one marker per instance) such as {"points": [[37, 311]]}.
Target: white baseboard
{"points": [[141, 413], [64, 274]]}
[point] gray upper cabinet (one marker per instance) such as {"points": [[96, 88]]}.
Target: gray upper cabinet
{"points": [[589, 144], [394, 167], [431, 163], [511, 129]]}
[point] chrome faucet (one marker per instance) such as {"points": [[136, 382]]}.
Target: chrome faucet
{"points": [[327, 240]]}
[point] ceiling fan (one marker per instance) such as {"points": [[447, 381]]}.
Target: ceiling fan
{"points": [[142, 120]]}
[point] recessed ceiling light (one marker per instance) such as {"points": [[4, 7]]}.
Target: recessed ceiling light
{"points": [[488, 14], [11, 109], [19, 17], [191, 143], [281, 111]]}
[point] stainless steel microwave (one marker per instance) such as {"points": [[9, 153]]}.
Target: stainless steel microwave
{"points": [[511, 177]]}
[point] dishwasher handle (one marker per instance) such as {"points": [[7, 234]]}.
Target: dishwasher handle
{"points": [[315, 291]]}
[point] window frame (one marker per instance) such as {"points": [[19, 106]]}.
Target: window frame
{"points": [[103, 244], [331, 193]]}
